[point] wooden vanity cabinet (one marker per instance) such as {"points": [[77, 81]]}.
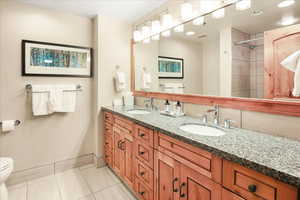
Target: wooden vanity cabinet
{"points": [[123, 150], [158, 167]]}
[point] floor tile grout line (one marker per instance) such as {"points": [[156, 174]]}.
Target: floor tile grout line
{"points": [[86, 182], [58, 187]]}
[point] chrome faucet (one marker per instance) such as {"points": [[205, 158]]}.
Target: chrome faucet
{"points": [[151, 102], [216, 112]]}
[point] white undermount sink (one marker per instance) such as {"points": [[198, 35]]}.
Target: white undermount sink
{"points": [[138, 112], [203, 130]]}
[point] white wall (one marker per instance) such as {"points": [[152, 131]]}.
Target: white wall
{"points": [[41, 140]]}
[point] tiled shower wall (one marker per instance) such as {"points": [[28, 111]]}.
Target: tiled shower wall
{"points": [[240, 65], [277, 125], [257, 67]]}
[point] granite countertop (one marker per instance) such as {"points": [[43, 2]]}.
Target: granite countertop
{"points": [[276, 157]]}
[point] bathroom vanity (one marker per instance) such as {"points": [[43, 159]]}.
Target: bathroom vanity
{"points": [[158, 161]]}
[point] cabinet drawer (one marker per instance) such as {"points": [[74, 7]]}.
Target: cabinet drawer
{"points": [[144, 134], [143, 192], [144, 153], [227, 195], [253, 185], [108, 128], [108, 157], [124, 123], [202, 161], [108, 143], [144, 173], [108, 117]]}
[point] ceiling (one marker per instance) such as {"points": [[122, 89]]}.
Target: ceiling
{"points": [[128, 10]]}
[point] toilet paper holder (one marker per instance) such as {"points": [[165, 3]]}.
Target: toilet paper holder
{"points": [[17, 122]]}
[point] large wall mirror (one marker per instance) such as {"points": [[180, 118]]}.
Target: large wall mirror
{"points": [[225, 57]]}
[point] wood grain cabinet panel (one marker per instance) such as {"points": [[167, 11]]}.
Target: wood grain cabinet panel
{"points": [[144, 153], [167, 175], [144, 173], [108, 117], [195, 186], [255, 186], [142, 191], [227, 195], [127, 171], [144, 134], [117, 151]]}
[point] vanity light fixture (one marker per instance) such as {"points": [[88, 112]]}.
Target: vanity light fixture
{"points": [[198, 21], [186, 11], [286, 3], [218, 14], [243, 4], [167, 21], [155, 27], [155, 37], [146, 41], [179, 28], [145, 31], [166, 33], [190, 33], [286, 21], [137, 36]]}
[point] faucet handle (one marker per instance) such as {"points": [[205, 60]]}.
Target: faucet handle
{"points": [[228, 122], [204, 118]]}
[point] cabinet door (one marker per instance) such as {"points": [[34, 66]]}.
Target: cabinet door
{"points": [[117, 151], [194, 186], [127, 170], [167, 174]]}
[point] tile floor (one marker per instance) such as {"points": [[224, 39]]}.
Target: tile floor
{"points": [[85, 183]]}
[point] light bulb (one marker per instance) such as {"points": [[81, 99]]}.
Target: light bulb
{"points": [[166, 33], [167, 21], [155, 37], [207, 6], [146, 41], [186, 11], [286, 3], [155, 27], [198, 21], [137, 36], [243, 5], [219, 13], [190, 33], [179, 28], [287, 21], [145, 32]]}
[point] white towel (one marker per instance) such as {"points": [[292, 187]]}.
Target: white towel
{"points": [[292, 63], [146, 81], [176, 88], [120, 81], [69, 94], [40, 99]]}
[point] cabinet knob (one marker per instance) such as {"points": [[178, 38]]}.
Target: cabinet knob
{"points": [[142, 135], [174, 181], [142, 173], [142, 193], [252, 188], [141, 152]]}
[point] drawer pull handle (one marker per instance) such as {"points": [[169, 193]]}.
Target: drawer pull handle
{"points": [[181, 187], [252, 188], [142, 135], [119, 144], [123, 146], [142, 173], [141, 153], [142, 193], [174, 181]]}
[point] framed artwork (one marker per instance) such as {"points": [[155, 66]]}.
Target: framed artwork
{"points": [[171, 68], [49, 59]]}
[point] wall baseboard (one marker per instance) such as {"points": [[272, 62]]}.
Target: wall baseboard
{"points": [[53, 168]]}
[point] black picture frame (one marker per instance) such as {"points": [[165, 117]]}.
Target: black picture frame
{"points": [[23, 59], [171, 58]]}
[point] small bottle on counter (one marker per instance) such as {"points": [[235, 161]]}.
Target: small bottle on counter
{"points": [[178, 108], [167, 106]]}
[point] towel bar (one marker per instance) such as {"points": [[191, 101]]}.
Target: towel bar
{"points": [[78, 88], [17, 122]]}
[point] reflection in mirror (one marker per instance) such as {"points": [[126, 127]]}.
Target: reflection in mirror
{"points": [[222, 57]]}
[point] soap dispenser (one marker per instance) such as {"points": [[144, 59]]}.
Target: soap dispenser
{"points": [[178, 108], [167, 106]]}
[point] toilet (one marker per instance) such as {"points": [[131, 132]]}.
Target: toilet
{"points": [[6, 167]]}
